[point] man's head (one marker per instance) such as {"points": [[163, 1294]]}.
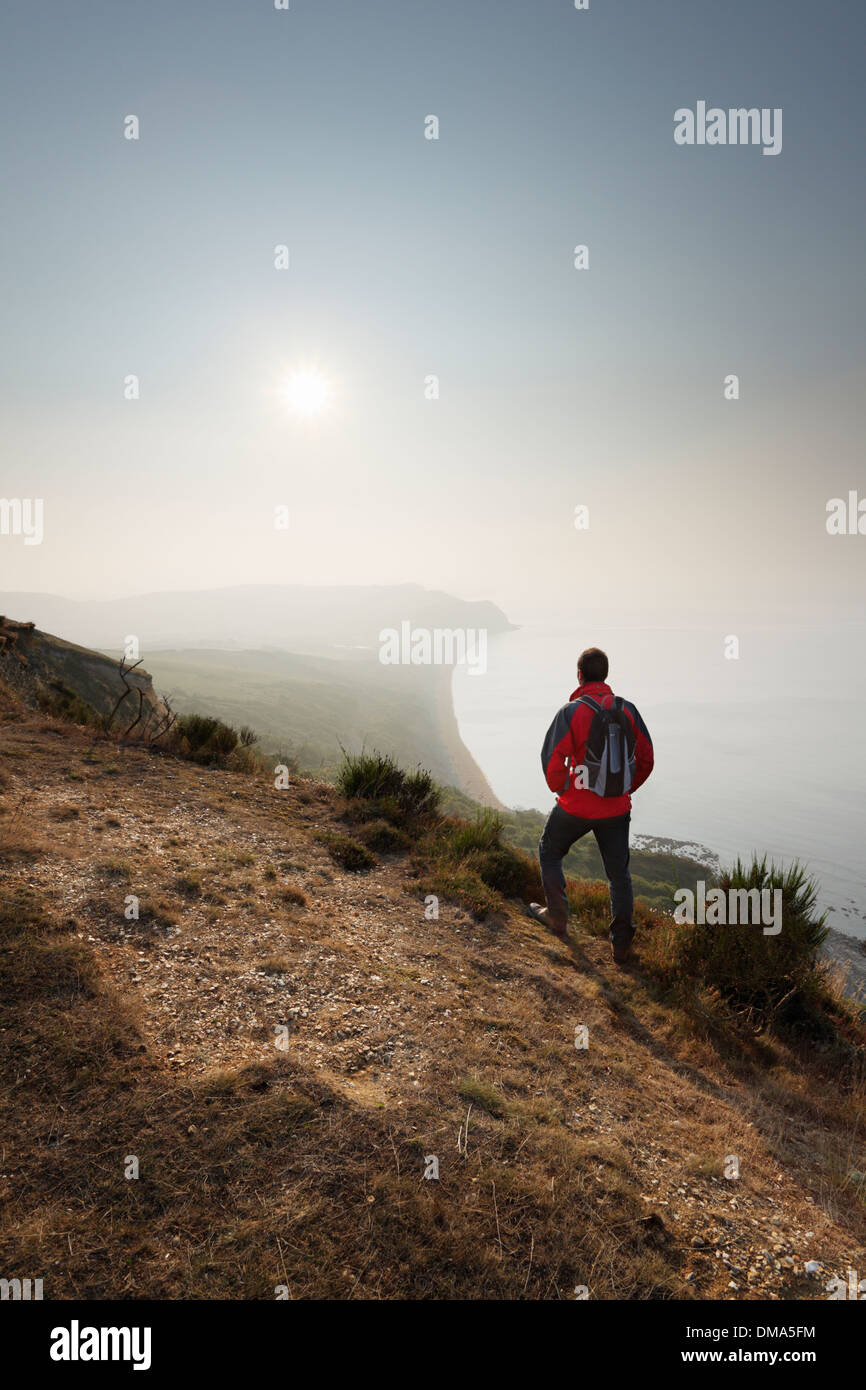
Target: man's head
{"points": [[592, 665]]}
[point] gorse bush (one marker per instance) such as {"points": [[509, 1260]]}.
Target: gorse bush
{"points": [[203, 739], [763, 974], [377, 778]]}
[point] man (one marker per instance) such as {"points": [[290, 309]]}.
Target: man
{"points": [[597, 751]]}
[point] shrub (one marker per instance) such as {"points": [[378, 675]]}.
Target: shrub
{"points": [[203, 739], [484, 833], [62, 702], [294, 896], [383, 837], [477, 846], [376, 777], [753, 971], [471, 865], [348, 852], [246, 759]]}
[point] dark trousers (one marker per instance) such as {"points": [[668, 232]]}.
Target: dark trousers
{"points": [[611, 836]]}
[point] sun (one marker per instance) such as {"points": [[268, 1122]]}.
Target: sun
{"points": [[306, 393]]}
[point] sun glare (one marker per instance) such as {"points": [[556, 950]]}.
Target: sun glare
{"points": [[306, 392]]}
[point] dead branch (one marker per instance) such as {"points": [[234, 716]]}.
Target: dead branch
{"points": [[123, 671]]}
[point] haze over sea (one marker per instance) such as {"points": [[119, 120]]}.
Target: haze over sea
{"points": [[765, 752]]}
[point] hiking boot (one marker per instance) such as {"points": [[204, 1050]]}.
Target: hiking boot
{"points": [[621, 939], [542, 915]]}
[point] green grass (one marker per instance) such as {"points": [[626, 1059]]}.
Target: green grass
{"points": [[471, 862], [376, 778]]}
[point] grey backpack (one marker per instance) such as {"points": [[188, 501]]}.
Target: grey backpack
{"points": [[609, 754]]}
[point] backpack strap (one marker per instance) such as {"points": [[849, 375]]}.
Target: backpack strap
{"points": [[588, 700]]}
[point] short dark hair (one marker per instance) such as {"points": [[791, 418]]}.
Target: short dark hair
{"points": [[593, 665]]}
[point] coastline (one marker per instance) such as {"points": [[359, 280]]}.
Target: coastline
{"points": [[466, 774]]}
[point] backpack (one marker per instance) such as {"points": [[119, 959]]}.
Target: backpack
{"points": [[609, 753]]}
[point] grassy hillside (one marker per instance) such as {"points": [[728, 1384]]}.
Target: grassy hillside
{"points": [[655, 875], [279, 1046], [63, 677], [306, 707]]}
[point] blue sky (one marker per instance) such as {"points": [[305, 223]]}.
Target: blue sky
{"points": [[452, 257]]}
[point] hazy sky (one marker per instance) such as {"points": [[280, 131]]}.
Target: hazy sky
{"points": [[452, 257]]}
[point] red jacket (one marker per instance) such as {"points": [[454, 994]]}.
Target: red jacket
{"points": [[565, 746]]}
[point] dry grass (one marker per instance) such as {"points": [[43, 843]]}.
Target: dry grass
{"points": [[253, 1178], [452, 1037]]}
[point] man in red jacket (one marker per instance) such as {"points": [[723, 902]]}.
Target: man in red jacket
{"points": [[580, 809]]}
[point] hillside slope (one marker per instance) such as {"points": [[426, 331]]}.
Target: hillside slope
{"points": [[42, 668], [311, 706], [303, 1168]]}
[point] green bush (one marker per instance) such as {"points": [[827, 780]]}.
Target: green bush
{"points": [[753, 971], [472, 865], [376, 778], [383, 837], [203, 739], [348, 852], [477, 846], [463, 837]]}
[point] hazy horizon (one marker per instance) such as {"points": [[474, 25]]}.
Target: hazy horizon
{"points": [[410, 257]]}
